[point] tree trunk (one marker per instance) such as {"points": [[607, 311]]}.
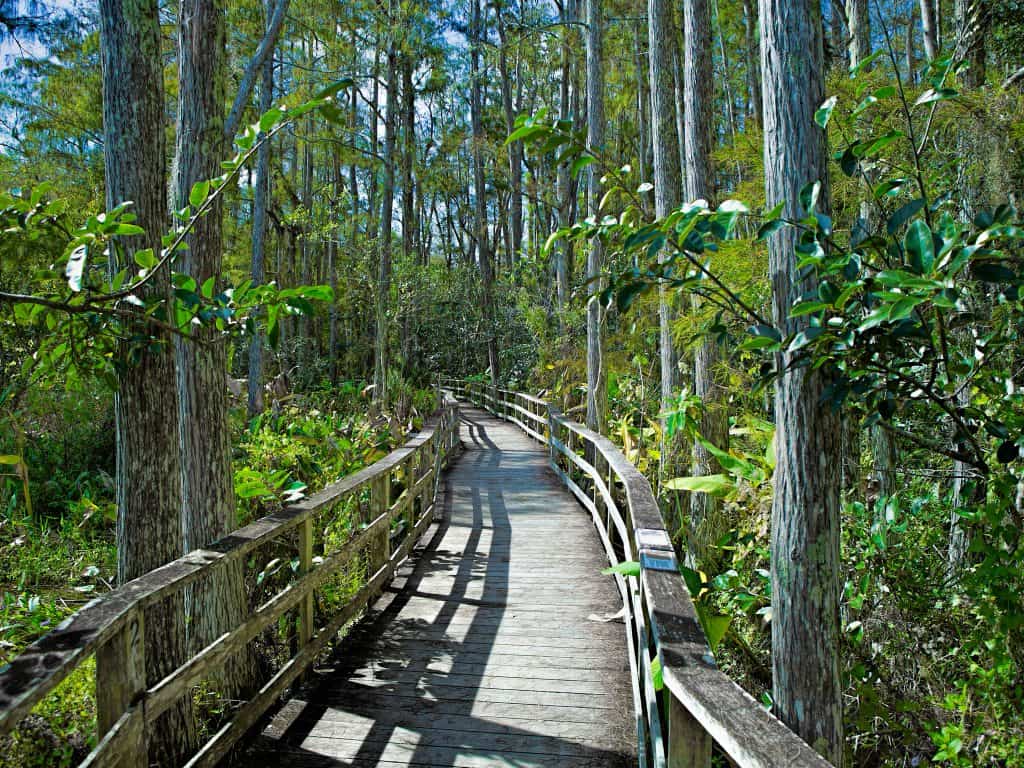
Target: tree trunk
{"points": [[753, 60], [568, 108], [971, 18], [706, 525], [216, 604], [838, 40], [382, 357], [408, 156], [667, 172], [476, 33], [860, 31], [145, 406], [930, 30], [805, 509], [911, 47], [259, 226], [515, 149], [597, 391]]}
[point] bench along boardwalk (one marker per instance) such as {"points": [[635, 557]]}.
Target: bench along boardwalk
{"points": [[477, 575], [484, 652]]}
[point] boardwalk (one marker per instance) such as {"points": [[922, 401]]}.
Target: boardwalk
{"points": [[483, 652]]}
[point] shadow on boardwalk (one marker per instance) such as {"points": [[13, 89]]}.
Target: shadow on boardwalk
{"points": [[481, 653]]}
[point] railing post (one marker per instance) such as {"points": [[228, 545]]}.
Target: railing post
{"points": [[121, 665], [380, 502], [305, 565], [689, 745]]}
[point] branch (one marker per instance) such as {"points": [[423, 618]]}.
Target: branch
{"points": [[264, 49]]}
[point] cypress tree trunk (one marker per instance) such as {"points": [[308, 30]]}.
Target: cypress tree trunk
{"points": [[971, 18], [145, 407], [930, 29], [597, 391], [860, 31], [667, 172], [805, 509], [259, 226], [753, 61], [218, 603], [911, 48], [706, 525], [382, 357], [476, 31], [515, 149]]}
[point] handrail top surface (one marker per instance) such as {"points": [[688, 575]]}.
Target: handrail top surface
{"points": [[748, 733], [31, 675]]}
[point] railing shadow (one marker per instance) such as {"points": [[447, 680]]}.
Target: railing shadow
{"points": [[406, 689]]}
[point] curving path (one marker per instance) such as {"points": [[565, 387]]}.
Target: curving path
{"points": [[484, 651]]}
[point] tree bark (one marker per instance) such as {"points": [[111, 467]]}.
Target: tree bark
{"points": [[860, 31], [706, 525], [259, 224], [382, 357], [597, 391], [568, 109], [408, 156], [753, 61], [930, 29], [805, 508], [476, 34], [145, 406], [971, 18], [216, 604], [515, 149], [667, 172], [911, 47]]}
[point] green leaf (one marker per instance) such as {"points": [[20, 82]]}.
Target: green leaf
{"points": [[199, 194], [331, 90], [145, 258], [920, 247], [903, 215], [824, 113], [657, 674], [715, 485], [10, 459], [626, 568], [933, 95], [715, 626], [270, 118]]}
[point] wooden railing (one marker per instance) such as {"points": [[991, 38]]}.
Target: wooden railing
{"points": [[392, 502], [698, 704]]}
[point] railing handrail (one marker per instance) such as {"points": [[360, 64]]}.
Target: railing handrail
{"points": [[703, 703], [109, 620]]}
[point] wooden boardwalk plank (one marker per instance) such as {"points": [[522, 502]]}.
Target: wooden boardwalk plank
{"points": [[485, 651]]}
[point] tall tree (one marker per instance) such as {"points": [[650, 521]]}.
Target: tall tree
{"points": [[860, 31], [597, 391], [667, 173], [515, 148], [218, 603], [705, 525], [753, 60], [972, 19], [911, 45], [476, 108], [149, 532], [805, 508], [259, 220], [382, 359], [930, 29]]}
